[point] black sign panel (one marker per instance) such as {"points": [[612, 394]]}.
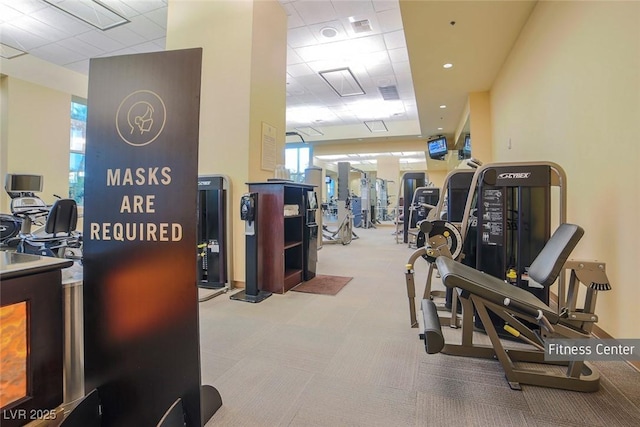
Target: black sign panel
{"points": [[140, 295], [492, 216], [523, 176]]}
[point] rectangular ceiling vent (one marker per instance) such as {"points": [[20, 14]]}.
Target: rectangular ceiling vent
{"points": [[389, 93], [362, 26]]}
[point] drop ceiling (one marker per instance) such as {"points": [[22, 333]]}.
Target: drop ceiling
{"points": [[394, 50]]}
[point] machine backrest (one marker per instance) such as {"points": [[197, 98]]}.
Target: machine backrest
{"points": [[548, 264], [62, 217]]}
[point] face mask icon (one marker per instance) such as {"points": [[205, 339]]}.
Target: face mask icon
{"points": [[140, 117], [141, 122]]}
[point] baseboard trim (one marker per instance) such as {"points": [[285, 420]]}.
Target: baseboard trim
{"points": [[597, 332]]}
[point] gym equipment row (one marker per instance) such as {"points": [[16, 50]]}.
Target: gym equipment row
{"points": [[520, 309], [56, 236], [503, 230]]}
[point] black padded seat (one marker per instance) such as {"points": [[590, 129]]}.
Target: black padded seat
{"points": [[471, 281], [544, 270]]}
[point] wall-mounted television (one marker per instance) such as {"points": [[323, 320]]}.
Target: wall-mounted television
{"points": [[437, 148], [465, 152], [467, 145], [23, 183]]}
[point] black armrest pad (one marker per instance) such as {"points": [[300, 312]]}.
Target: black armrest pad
{"points": [[548, 264]]}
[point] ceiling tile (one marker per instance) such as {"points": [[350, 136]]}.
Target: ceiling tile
{"points": [[399, 55], [379, 71], [8, 13], [121, 7], [125, 35], [158, 16], [374, 59], [299, 37], [146, 47], [100, 39], [380, 5], [20, 39], [140, 6], [311, 79], [27, 6], [146, 27], [390, 20], [77, 44], [62, 21], [39, 28], [293, 18], [80, 66], [358, 9], [57, 54], [395, 40], [293, 57], [299, 70], [161, 43], [314, 12]]}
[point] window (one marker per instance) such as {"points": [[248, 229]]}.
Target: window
{"points": [[296, 159], [77, 147]]}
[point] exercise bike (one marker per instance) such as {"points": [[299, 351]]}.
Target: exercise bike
{"points": [[56, 236]]}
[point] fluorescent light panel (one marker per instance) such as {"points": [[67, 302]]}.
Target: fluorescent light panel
{"points": [[93, 12], [9, 52], [308, 130], [376, 126], [342, 81]]}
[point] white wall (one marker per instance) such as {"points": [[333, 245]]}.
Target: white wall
{"points": [[569, 92], [35, 136]]}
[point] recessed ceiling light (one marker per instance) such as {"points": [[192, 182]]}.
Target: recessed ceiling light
{"points": [[309, 131], [342, 81], [376, 126], [447, 65], [93, 12], [328, 32], [439, 128], [9, 52], [443, 106]]}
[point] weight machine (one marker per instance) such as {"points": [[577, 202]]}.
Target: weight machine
{"points": [[214, 235]]}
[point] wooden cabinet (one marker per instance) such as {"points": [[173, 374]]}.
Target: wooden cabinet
{"points": [[280, 233]]}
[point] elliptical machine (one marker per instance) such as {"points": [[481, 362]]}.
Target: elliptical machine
{"points": [[57, 236]]}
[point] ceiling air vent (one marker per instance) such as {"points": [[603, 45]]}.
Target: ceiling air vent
{"points": [[362, 26], [389, 93]]}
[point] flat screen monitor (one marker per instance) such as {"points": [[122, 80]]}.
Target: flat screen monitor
{"points": [[437, 148], [467, 145], [23, 183]]}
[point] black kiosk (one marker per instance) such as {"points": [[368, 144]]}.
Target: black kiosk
{"points": [[310, 238], [249, 214]]}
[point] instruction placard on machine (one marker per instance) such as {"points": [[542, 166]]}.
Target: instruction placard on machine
{"points": [[492, 216]]}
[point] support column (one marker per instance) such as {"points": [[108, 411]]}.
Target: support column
{"points": [[389, 169], [481, 129], [243, 86]]}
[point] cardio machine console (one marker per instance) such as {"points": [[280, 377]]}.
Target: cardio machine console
{"points": [[23, 204]]}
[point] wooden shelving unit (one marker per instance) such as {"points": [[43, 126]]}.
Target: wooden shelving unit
{"points": [[281, 238]]}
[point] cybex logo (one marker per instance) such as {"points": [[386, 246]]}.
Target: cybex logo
{"points": [[514, 175], [204, 183], [141, 117]]}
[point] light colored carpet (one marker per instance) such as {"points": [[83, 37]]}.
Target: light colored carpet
{"points": [[302, 359]]}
